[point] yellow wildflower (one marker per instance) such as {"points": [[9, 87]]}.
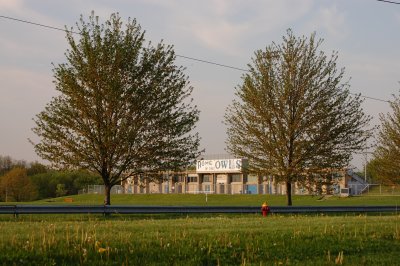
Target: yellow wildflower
{"points": [[101, 250]]}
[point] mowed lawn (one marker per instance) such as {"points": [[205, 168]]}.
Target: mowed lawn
{"points": [[222, 200], [200, 240]]}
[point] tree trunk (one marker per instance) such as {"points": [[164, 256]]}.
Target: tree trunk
{"points": [[107, 194], [289, 193]]}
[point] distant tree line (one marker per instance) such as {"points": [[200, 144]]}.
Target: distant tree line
{"points": [[22, 181]]}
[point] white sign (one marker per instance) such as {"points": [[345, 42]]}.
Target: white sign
{"points": [[220, 166]]}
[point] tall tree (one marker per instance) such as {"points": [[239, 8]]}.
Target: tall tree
{"points": [[123, 108], [15, 185], [294, 117], [386, 162], [384, 171]]}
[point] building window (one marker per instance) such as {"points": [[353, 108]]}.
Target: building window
{"points": [[252, 179], [222, 179], [236, 178], [192, 179], [179, 178], [207, 178]]}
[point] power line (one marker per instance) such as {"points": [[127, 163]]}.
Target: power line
{"points": [[212, 63], [37, 24], [65, 30], [390, 2], [182, 56], [371, 98]]}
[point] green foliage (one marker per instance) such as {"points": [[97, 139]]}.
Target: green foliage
{"points": [[15, 185], [294, 117], [386, 163], [81, 179], [37, 168], [60, 190], [217, 240], [67, 182], [43, 185], [123, 106]]}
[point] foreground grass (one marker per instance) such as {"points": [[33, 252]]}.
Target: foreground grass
{"points": [[199, 240], [223, 200]]}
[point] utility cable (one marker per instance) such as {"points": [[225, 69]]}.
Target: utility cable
{"points": [[37, 24], [389, 2], [181, 56]]}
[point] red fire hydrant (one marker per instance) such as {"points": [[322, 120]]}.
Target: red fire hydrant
{"points": [[264, 209]]}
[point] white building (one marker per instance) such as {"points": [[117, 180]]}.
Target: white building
{"points": [[229, 176]]}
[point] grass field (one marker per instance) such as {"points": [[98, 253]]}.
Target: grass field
{"points": [[224, 200], [199, 240], [203, 239]]}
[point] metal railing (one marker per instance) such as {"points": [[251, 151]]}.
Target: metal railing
{"points": [[31, 209]]}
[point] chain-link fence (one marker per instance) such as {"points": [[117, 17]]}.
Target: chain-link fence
{"points": [[195, 188], [379, 189], [99, 189], [225, 189], [180, 188]]}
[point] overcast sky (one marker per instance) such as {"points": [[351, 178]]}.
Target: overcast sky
{"points": [[364, 32]]}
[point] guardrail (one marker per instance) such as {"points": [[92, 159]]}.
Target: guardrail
{"points": [[38, 209]]}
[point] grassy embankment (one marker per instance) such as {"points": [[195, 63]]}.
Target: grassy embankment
{"points": [[224, 200]]}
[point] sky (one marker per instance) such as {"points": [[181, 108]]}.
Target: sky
{"points": [[365, 33]]}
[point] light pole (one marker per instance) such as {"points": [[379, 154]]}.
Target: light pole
{"points": [[365, 166], [365, 153]]}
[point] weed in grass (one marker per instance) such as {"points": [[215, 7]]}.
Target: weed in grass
{"points": [[339, 258]]}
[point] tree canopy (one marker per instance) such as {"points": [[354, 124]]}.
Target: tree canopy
{"points": [[15, 185], [386, 162], [7, 163], [294, 117], [124, 107]]}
